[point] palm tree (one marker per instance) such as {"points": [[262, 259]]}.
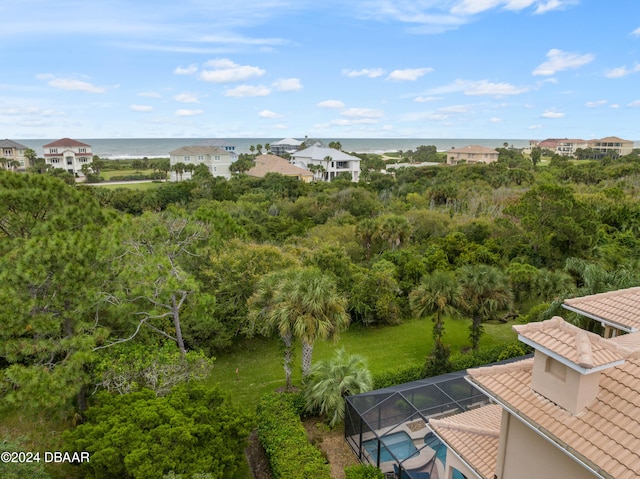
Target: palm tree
{"points": [[437, 295], [300, 303], [395, 229], [179, 168], [366, 232], [3, 162], [484, 290], [331, 380]]}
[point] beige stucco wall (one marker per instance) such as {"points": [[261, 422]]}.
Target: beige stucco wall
{"points": [[529, 456]]}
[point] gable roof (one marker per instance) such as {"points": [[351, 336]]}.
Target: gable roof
{"points": [[605, 437], [64, 142], [620, 309], [319, 153], [275, 164], [474, 435], [198, 150], [288, 142]]}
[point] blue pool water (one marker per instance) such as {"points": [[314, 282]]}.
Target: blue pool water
{"points": [[398, 443]]}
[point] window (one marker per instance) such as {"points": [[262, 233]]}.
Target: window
{"points": [[200, 158], [69, 160], [7, 153], [82, 150], [53, 150], [55, 161], [215, 169], [187, 158], [216, 157]]}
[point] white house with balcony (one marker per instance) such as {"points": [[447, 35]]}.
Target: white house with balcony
{"points": [[327, 163], [68, 154], [216, 159]]}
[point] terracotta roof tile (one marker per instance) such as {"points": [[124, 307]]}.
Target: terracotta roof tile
{"points": [[620, 307], [65, 142], [474, 435], [584, 349], [275, 164], [606, 435]]}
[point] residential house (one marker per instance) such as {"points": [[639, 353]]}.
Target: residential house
{"points": [[13, 152], [286, 146], [471, 154], [572, 411], [68, 154], [617, 311], [609, 146], [274, 164], [223, 145], [216, 159], [327, 162]]}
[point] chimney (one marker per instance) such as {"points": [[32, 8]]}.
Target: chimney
{"points": [[568, 361]]}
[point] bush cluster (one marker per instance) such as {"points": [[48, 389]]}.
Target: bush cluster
{"points": [[363, 472], [284, 439], [457, 362]]}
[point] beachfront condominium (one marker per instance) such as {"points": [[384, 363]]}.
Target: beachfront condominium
{"points": [[70, 155]]}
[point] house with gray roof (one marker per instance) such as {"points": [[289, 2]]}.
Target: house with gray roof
{"points": [[12, 151], [327, 163], [216, 159]]}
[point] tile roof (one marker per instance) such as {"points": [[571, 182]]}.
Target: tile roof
{"points": [[619, 308], [473, 149], [275, 164], [316, 152], [605, 436], [198, 150], [62, 142], [11, 144], [579, 347], [474, 435]]}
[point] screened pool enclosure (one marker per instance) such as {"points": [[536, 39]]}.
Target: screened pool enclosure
{"points": [[387, 427]]}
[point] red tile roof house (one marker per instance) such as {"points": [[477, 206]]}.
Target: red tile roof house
{"points": [[571, 411], [68, 154]]}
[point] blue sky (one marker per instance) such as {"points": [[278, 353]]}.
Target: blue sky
{"points": [[328, 69]]}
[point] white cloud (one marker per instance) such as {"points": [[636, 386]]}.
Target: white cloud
{"points": [[455, 109], [473, 7], [362, 113], [479, 87], [150, 94], [352, 121], [614, 105], [186, 98], [288, 84], [141, 108], [557, 60], [408, 74], [269, 114], [593, 104], [226, 71], [248, 90], [331, 104], [636, 32], [70, 84], [535, 127], [495, 120], [634, 104], [426, 99], [366, 72], [189, 112], [188, 70], [617, 72], [552, 114]]}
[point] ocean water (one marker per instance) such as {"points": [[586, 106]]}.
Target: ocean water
{"points": [[117, 148]]}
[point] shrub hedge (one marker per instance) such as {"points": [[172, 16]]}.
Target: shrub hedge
{"points": [[457, 362], [284, 439], [363, 472]]}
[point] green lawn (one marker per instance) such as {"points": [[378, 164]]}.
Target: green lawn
{"points": [[131, 186], [259, 360], [107, 175]]}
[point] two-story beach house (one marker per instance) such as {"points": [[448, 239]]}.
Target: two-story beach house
{"points": [[216, 159], [572, 411], [326, 163], [286, 146], [68, 154], [13, 152], [471, 154]]}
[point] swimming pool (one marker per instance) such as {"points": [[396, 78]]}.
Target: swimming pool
{"points": [[399, 443]]}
